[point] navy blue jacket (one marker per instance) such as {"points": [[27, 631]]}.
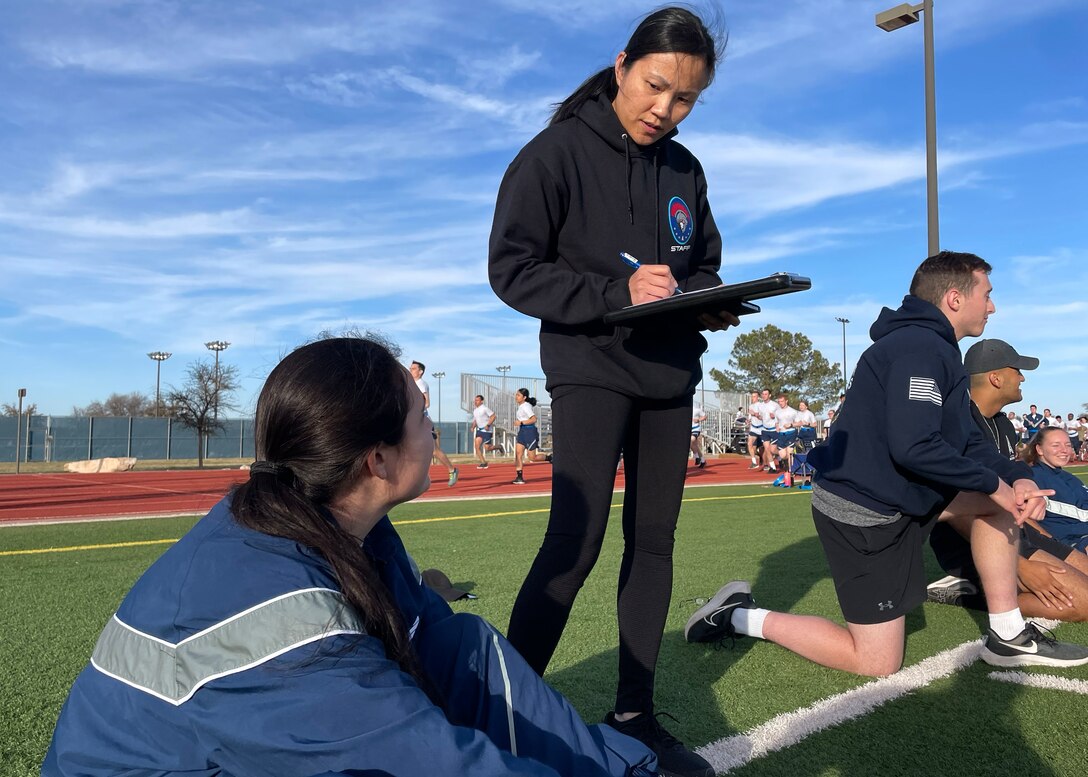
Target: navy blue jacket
{"points": [[575, 197], [904, 440], [328, 702], [1069, 492]]}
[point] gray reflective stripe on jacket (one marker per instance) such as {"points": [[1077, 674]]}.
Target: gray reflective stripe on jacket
{"points": [[174, 673]]}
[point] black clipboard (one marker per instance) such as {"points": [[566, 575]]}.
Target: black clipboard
{"points": [[733, 297]]}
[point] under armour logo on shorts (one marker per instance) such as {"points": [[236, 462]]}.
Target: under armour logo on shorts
{"points": [[885, 605]]}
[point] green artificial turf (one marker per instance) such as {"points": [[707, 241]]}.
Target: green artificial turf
{"points": [[55, 603]]}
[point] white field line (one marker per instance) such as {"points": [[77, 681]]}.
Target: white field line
{"points": [[788, 729], [1047, 681]]}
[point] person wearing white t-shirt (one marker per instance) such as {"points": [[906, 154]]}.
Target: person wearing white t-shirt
{"points": [[755, 429], [1050, 420], [767, 408], [484, 420], [417, 369], [528, 441], [1072, 426], [784, 417], [806, 426], [1017, 426], [698, 415]]}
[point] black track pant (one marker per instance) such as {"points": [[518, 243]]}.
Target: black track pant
{"points": [[590, 427]]}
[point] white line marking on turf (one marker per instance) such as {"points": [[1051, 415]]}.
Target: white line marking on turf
{"points": [[788, 729], [1048, 681]]}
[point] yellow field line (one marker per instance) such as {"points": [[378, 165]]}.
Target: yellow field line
{"points": [[86, 547], [396, 523]]}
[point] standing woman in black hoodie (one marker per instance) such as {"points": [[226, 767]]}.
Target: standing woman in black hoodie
{"points": [[605, 178]]}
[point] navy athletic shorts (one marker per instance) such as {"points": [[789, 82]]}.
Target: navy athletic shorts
{"points": [[529, 437]]}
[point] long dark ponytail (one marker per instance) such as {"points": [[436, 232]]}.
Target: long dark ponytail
{"points": [[671, 30], [321, 411]]}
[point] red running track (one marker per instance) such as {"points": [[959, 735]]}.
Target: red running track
{"points": [[70, 497]]}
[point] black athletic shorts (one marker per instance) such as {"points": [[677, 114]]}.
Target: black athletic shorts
{"points": [[878, 571]]}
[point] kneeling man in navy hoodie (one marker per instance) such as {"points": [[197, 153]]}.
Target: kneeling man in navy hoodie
{"points": [[903, 454]]}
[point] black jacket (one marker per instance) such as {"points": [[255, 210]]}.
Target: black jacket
{"points": [[576, 196], [904, 440]]}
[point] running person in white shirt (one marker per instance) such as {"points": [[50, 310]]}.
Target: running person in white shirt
{"points": [[755, 429], [484, 420], [784, 417], [528, 435], [767, 408], [698, 415], [417, 369]]}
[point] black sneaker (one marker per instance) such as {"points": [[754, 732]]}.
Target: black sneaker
{"points": [[950, 590], [711, 622], [701, 464], [482, 465], [518, 481], [673, 759], [1031, 647]]}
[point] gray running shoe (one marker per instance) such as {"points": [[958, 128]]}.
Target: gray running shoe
{"points": [[950, 590], [711, 622], [1031, 647]]}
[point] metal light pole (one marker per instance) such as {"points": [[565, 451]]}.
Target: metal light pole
{"points": [[844, 322], [159, 357], [893, 19], [438, 376], [217, 346], [19, 429], [504, 368]]}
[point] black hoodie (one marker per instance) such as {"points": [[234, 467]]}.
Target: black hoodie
{"points": [[575, 197], [904, 440]]}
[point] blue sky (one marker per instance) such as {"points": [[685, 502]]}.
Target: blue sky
{"points": [[177, 172]]}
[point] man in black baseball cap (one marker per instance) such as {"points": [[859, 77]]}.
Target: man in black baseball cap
{"points": [[1052, 582], [996, 371]]}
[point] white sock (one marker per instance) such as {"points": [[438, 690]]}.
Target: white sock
{"points": [[749, 620], [1007, 624]]}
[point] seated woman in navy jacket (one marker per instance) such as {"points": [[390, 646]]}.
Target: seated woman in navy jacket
{"points": [[288, 632], [1067, 511]]}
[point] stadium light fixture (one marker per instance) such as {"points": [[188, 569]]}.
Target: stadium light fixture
{"points": [[159, 357], [893, 19], [18, 429], [438, 376], [217, 346], [844, 322]]}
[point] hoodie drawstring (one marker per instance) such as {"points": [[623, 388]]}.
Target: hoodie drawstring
{"points": [[627, 171]]}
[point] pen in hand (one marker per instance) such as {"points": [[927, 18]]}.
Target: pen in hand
{"points": [[634, 264]]}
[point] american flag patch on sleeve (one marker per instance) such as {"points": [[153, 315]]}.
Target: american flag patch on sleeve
{"points": [[924, 390]]}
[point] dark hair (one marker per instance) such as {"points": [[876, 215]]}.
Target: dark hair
{"points": [[421, 365], [1031, 456], [948, 270], [671, 30], [480, 397], [525, 393], [320, 413]]}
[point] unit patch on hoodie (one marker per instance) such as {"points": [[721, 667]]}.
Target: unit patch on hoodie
{"points": [[681, 223]]}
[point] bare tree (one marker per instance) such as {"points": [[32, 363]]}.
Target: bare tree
{"points": [[195, 403], [13, 410], [120, 405]]}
